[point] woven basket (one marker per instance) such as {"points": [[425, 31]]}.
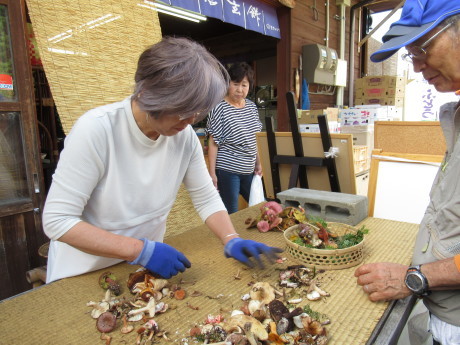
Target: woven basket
{"points": [[332, 259]]}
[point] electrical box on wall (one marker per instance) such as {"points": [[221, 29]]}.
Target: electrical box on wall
{"points": [[343, 2], [319, 64]]}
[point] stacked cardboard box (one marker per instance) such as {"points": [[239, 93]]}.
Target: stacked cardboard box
{"points": [[383, 90], [308, 120]]}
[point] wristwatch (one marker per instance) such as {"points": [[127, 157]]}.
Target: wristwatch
{"points": [[416, 281]]}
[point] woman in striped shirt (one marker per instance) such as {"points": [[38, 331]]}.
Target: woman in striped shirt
{"points": [[232, 127]]}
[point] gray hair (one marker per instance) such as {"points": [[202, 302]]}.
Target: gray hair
{"points": [[178, 76], [455, 19]]}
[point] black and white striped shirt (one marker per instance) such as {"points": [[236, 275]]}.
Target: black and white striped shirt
{"points": [[234, 132]]}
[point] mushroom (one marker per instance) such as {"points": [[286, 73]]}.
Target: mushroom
{"points": [[298, 320], [236, 339], [320, 291], [314, 295], [277, 309], [150, 308], [108, 280], [98, 308], [158, 284], [126, 328], [247, 330], [146, 293], [273, 337], [106, 322], [134, 278], [283, 326], [257, 310], [262, 291], [107, 338], [238, 322]]}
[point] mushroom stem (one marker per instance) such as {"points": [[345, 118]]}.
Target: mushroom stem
{"points": [[249, 334], [150, 308], [107, 338]]}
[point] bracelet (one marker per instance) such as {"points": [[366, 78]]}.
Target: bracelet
{"points": [[230, 235], [457, 261]]}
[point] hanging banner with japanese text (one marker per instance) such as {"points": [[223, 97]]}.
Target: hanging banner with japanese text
{"points": [[249, 14]]}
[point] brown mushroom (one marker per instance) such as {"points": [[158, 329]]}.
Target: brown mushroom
{"points": [[134, 278], [106, 322], [126, 328], [146, 294], [277, 309], [107, 338]]}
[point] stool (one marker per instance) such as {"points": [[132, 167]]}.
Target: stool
{"points": [[330, 206]]}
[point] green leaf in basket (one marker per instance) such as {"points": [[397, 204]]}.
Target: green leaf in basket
{"points": [[350, 240]]}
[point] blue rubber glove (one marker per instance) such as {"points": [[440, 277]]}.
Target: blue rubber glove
{"points": [[161, 259], [243, 250]]}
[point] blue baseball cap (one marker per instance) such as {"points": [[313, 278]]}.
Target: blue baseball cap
{"points": [[418, 17]]}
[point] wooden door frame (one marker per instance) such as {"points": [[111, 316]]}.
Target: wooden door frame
{"points": [[21, 228], [26, 106]]}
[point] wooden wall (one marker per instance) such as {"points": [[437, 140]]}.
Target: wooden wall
{"points": [[304, 29]]}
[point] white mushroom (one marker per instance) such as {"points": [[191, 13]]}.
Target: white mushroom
{"points": [[236, 312], [238, 321], [98, 308], [320, 291], [314, 295], [262, 291], [136, 317], [298, 320], [246, 297], [295, 301], [150, 308]]}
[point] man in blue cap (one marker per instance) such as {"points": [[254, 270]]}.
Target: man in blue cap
{"points": [[430, 32]]}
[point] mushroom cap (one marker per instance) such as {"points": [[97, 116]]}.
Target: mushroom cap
{"points": [[106, 322], [135, 278], [240, 320], [277, 309], [263, 292]]}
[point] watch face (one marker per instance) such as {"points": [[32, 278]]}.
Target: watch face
{"points": [[414, 282]]}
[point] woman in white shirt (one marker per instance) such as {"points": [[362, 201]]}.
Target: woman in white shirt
{"points": [[122, 166]]}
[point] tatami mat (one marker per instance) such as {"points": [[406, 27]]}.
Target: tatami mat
{"points": [[57, 313]]}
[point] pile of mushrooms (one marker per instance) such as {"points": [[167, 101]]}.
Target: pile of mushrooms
{"points": [[273, 217], [264, 319], [146, 304]]}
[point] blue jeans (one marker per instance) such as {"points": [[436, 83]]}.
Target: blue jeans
{"points": [[230, 186]]}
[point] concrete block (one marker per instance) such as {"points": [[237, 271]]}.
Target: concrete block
{"points": [[332, 207]]}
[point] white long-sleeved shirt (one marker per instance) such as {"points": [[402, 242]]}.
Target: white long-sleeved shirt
{"points": [[114, 177]]}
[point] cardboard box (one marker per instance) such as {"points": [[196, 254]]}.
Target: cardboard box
{"points": [[394, 101], [384, 81], [314, 127], [311, 116], [362, 135], [383, 92]]}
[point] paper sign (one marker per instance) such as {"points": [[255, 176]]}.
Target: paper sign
{"points": [[6, 82]]}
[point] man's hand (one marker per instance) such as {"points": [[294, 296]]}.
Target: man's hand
{"points": [[383, 281]]}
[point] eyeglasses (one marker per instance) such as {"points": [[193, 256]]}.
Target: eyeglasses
{"points": [[419, 52]]}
